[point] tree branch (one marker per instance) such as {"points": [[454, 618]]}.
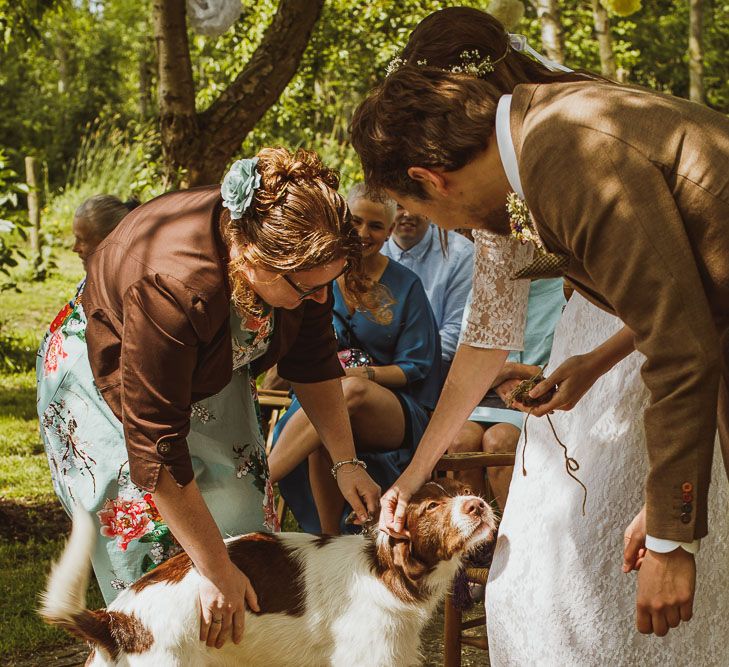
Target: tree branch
{"points": [[228, 120]]}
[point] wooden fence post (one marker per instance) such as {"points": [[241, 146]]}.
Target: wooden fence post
{"points": [[33, 180]]}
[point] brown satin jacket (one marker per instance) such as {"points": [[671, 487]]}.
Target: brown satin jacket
{"points": [[158, 335]]}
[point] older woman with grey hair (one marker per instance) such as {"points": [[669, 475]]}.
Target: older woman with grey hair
{"points": [[95, 219]]}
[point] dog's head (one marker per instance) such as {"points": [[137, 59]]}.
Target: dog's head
{"points": [[444, 521]]}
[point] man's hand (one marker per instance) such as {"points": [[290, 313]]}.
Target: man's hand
{"points": [[666, 585], [666, 582], [504, 393], [395, 502], [359, 491]]}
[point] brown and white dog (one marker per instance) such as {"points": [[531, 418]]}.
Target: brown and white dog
{"points": [[354, 601]]}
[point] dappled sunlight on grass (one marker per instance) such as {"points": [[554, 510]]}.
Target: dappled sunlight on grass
{"points": [[28, 313], [33, 526], [25, 477]]}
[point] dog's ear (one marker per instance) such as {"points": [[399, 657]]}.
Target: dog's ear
{"points": [[402, 557]]}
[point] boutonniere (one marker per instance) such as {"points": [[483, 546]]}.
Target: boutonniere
{"points": [[545, 264], [520, 221]]}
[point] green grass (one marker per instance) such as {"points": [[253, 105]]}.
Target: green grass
{"points": [[33, 529], [27, 314]]}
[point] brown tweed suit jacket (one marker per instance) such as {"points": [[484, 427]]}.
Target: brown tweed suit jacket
{"points": [[634, 187]]}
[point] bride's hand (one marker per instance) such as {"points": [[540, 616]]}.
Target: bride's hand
{"points": [[395, 502], [572, 379]]}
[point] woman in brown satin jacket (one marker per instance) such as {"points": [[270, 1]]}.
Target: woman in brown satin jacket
{"points": [[158, 301]]}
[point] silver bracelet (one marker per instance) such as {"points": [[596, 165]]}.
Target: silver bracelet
{"points": [[370, 373], [353, 462]]}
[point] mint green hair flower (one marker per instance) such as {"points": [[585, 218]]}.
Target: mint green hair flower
{"points": [[239, 186]]}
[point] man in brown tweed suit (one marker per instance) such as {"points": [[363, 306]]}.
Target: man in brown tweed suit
{"points": [[631, 188]]}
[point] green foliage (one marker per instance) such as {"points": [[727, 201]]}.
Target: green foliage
{"points": [[68, 63], [348, 53], [112, 159], [12, 221], [83, 62]]}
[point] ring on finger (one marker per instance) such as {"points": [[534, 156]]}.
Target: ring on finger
{"points": [[217, 620]]}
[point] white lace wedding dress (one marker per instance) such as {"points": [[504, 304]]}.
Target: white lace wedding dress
{"points": [[556, 594]]}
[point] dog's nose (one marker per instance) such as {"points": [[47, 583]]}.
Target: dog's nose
{"points": [[474, 506]]}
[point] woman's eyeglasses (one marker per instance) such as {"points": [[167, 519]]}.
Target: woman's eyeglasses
{"points": [[303, 293]]}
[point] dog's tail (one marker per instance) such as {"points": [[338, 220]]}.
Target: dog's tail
{"points": [[63, 603]]}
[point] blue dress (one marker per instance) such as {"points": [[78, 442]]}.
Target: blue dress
{"points": [[410, 341]]}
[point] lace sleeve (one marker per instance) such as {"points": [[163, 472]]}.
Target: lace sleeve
{"points": [[499, 305]]}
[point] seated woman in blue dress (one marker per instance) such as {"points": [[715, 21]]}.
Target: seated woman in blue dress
{"points": [[392, 381]]}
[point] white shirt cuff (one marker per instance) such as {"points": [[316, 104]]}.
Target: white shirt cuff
{"points": [[660, 546]]}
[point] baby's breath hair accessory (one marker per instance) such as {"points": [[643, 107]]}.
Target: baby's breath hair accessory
{"points": [[395, 64], [239, 186], [471, 62]]}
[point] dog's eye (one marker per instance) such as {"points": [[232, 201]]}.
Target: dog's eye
{"points": [[467, 492], [432, 506]]}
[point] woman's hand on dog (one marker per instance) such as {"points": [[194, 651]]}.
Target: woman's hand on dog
{"points": [[360, 491], [222, 601]]}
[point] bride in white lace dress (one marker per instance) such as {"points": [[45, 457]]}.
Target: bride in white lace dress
{"points": [[556, 593]]}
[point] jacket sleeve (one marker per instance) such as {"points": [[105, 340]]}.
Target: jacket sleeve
{"points": [[313, 355], [159, 351], [614, 210]]}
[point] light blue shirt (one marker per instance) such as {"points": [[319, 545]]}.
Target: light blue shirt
{"points": [[447, 280]]}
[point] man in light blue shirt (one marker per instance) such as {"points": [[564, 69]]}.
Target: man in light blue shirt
{"points": [[415, 243]]}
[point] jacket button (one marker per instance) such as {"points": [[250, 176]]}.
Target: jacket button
{"points": [[164, 447], [687, 507], [685, 518], [687, 497], [687, 487]]}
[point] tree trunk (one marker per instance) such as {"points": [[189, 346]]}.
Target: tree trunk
{"points": [[696, 51], [144, 99], [175, 89], [604, 39], [33, 181], [203, 143], [552, 34]]}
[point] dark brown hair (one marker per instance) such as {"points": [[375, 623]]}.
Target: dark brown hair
{"points": [[297, 221], [425, 115]]}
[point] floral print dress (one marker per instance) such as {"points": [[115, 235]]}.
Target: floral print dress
{"points": [[87, 456]]}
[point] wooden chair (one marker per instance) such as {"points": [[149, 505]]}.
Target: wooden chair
{"points": [[274, 402], [454, 627]]}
